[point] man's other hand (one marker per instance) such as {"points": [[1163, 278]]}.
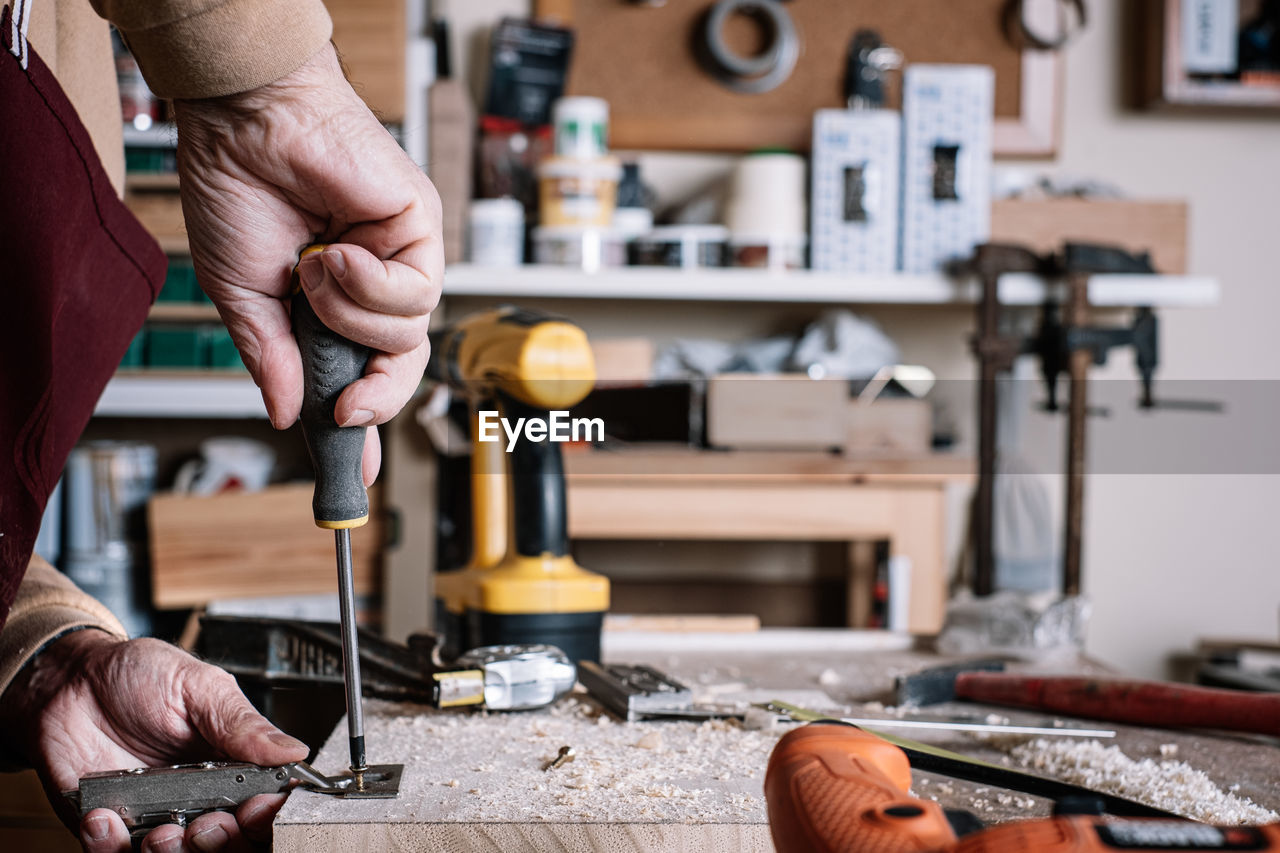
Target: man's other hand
{"points": [[91, 703]]}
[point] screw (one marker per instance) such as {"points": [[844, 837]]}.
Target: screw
{"points": [[240, 777], [562, 758]]}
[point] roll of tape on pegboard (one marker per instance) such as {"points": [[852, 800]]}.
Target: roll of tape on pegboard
{"points": [[750, 74]]}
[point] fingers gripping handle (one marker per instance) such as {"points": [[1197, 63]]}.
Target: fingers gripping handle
{"points": [[330, 363]]}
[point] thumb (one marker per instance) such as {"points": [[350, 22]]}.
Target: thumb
{"points": [[232, 726]]}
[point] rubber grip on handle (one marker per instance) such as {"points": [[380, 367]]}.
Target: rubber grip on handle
{"points": [[834, 787], [330, 362], [1148, 703]]}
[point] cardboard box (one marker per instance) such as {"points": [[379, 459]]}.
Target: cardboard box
{"points": [[853, 215], [947, 117], [779, 411], [1158, 227], [895, 427]]}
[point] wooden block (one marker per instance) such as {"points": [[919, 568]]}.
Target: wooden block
{"points": [[889, 427], [240, 545], [475, 782], [623, 361], [1158, 227], [753, 411], [370, 36]]}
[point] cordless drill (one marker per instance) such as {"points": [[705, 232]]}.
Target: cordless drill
{"points": [[521, 585]]}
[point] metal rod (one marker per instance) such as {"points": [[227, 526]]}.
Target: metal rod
{"points": [[992, 728], [1077, 317], [984, 500], [350, 654]]}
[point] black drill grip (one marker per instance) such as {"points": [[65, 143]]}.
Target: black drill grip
{"points": [[330, 363]]}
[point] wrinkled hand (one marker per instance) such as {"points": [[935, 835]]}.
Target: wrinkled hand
{"points": [[303, 160], [91, 703]]}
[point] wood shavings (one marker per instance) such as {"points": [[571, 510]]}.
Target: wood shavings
{"points": [[650, 740], [487, 767], [760, 720], [1174, 786]]}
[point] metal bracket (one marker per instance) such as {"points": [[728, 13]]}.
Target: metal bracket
{"points": [[148, 797]]}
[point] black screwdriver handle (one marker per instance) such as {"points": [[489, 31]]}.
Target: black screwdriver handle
{"points": [[330, 362]]}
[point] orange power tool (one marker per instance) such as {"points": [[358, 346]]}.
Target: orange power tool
{"points": [[834, 788]]}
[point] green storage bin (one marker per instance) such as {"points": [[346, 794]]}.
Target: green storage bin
{"points": [[135, 355], [223, 354], [180, 283], [177, 347]]}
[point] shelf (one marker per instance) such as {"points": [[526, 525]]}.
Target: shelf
{"points": [[151, 181], [182, 312], [745, 285], [177, 394]]}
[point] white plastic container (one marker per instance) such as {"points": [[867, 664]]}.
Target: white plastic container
{"points": [[581, 127], [768, 195], [586, 248], [578, 192], [632, 222], [495, 233], [684, 246]]}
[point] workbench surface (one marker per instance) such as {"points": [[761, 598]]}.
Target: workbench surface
{"points": [[476, 781]]}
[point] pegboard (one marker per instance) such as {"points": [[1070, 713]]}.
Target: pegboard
{"points": [[640, 58]]}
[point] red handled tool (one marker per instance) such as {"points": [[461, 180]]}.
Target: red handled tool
{"points": [[1144, 703]]}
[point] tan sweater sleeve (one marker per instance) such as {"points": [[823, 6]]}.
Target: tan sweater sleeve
{"points": [[48, 605], [210, 48]]}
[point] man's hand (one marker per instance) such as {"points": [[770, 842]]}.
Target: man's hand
{"points": [[303, 160], [91, 703]]}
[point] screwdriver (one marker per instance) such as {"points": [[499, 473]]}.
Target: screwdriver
{"points": [[331, 362]]}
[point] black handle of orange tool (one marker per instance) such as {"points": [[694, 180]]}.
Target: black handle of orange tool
{"points": [[330, 362], [1147, 703], [833, 788]]}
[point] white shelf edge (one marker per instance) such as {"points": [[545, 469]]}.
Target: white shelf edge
{"points": [[739, 285], [170, 396]]}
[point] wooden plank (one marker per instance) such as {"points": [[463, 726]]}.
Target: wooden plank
{"points": [[1158, 227], [245, 545]]}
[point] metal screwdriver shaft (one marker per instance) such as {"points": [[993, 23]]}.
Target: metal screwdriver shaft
{"points": [[350, 655], [331, 362]]}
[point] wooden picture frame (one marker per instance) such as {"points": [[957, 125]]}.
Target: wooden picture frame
{"points": [[1161, 82], [1029, 130]]}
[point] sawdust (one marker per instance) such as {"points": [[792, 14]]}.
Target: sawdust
{"points": [[478, 767], [1174, 786]]}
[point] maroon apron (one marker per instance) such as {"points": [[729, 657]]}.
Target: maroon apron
{"points": [[77, 275]]}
